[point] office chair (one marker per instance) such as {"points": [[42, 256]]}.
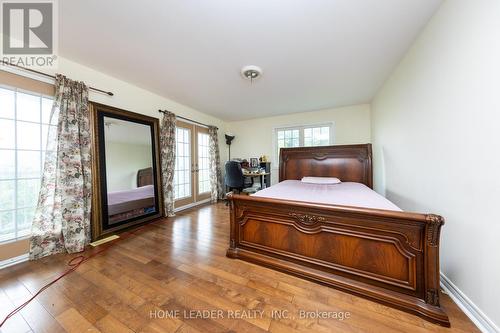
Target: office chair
{"points": [[234, 178]]}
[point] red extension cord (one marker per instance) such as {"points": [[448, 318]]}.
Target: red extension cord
{"points": [[73, 265]]}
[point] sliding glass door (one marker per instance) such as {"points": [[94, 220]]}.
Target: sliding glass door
{"points": [[192, 173]]}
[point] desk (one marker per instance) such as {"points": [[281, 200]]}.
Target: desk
{"points": [[256, 174]]}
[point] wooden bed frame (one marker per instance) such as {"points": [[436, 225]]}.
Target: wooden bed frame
{"points": [[391, 257], [145, 177]]}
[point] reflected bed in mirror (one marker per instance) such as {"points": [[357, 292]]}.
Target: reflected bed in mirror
{"points": [[129, 164], [127, 180]]}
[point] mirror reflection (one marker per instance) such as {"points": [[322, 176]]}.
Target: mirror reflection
{"points": [[129, 170]]}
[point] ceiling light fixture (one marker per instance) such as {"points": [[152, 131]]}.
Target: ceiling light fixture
{"points": [[251, 72]]}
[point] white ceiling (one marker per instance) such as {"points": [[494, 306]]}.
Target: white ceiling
{"points": [[315, 54]]}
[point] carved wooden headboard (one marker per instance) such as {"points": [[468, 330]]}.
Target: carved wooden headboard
{"points": [[349, 163], [144, 177]]}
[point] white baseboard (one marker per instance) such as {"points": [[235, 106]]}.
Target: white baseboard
{"points": [[13, 261], [194, 204], [478, 317]]}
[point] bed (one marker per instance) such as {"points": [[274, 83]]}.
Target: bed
{"points": [[123, 205], [349, 238]]}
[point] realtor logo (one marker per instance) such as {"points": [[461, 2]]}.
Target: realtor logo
{"points": [[29, 32]]}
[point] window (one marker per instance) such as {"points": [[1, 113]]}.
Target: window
{"points": [[317, 136], [203, 164], [288, 138], [182, 171], [303, 136], [24, 126]]}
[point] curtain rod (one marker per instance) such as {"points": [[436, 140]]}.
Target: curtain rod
{"points": [[193, 121], [109, 93]]}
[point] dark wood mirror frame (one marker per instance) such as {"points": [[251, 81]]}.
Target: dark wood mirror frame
{"points": [[100, 228]]}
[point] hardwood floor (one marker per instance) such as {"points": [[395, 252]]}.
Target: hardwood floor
{"points": [[179, 264]]}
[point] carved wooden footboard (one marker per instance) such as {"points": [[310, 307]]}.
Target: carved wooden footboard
{"points": [[391, 257]]}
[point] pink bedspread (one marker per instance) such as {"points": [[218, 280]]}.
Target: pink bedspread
{"points": [[123, 201], [345, 194], [130, 195]]}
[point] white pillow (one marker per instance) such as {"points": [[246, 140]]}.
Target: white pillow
{"points": [[321, 180]]}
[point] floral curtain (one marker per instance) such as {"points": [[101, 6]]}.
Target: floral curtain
{"points": [[167, 143], [62, 218], [217, 190]]}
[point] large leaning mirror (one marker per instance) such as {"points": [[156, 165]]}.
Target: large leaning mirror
{"points": [[127, 182]]}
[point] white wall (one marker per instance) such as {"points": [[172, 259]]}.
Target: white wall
{"points": [[436, 130], [123, 160], [129, 97], [254, 137]]}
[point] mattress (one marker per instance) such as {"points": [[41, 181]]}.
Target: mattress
{"points": [[124, 201], [345, 194]]}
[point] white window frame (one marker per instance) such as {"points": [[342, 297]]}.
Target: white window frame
{"points": [[188, 168], [42, 151], [199, 158], [301, 128]]}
